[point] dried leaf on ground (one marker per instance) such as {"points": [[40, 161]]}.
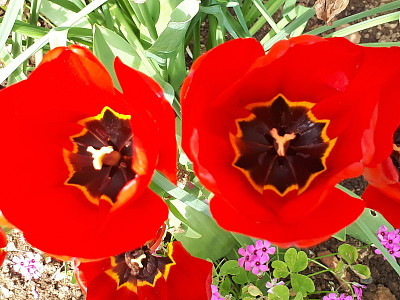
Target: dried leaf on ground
{"points": [[328, 9]]}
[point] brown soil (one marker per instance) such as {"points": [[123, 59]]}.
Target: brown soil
{"points": [[383, 278], [54, 283]]}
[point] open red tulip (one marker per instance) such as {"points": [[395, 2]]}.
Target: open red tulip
{"points": [[139, 275], [271, 135], [79, 155]]}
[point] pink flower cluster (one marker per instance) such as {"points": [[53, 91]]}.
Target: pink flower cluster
{"points": [[215, 293], [30, 266], [390, 240], [333, 296], [256, 257]]}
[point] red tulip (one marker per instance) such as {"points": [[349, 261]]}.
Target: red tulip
{"points": [[270, 135], [83, 154], [139, 275]]}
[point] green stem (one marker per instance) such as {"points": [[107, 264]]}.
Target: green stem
{"points": [[319, 272], [148, 21], [196, 41], [246, 6]]}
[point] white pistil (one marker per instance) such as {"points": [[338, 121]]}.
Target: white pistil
{"points": [[138, 260], [98, 155], [281, 141]]}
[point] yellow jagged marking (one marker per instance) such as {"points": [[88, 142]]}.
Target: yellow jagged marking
{"points": [[131, 286], [84, 131], [310, 115]]}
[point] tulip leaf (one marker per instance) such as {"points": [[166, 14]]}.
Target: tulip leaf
{"points": [[59, 15], [348, 253], [174, 33], [214, 242], [302, 283], [107, 45]]}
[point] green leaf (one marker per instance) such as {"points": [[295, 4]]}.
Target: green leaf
{"points": [[9, 68], [107, 45], [280, 269], [174, 34], [299, 296], [341, 235], [296, 261], [348, 253], [340, 268], [59, 15], [240, 278], [373, 220], [254, 291], [302, 284], [281, 292], [225, 286], [13, 10], [231, 267], [214, 242], [362, 271]]}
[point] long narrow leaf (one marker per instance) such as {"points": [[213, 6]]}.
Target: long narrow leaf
{"points": [[8, 69], [14, 7]]}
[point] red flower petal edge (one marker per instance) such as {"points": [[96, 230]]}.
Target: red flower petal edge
{"points": [[85, 155], [139, 275], [250, 127], [3, 243]]}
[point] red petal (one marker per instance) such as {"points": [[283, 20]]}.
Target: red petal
{"points": [[383, 191], [3, 238], [146, 97], [209, 76], [384, 201], [295, 224]]}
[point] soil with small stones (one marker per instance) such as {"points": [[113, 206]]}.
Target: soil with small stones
{"points": [[55, 282]]}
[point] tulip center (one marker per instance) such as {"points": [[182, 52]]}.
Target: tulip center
{"points": [[281, 146], [139, 267], [100, 163]]}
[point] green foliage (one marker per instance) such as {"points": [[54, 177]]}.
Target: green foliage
{"points": [[281, 292], [348, 253], [280, 269], [296, 261], [302, 284]]}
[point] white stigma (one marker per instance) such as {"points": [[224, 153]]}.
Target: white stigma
{"points": [[138, 260], [98, 155]]}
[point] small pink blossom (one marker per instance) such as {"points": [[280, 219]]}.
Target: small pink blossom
{"points": [[263, 247], [215, 293], [30, 266], [248, 257], [358, 290], [333, 296], [273, 283], [259, 265]]}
